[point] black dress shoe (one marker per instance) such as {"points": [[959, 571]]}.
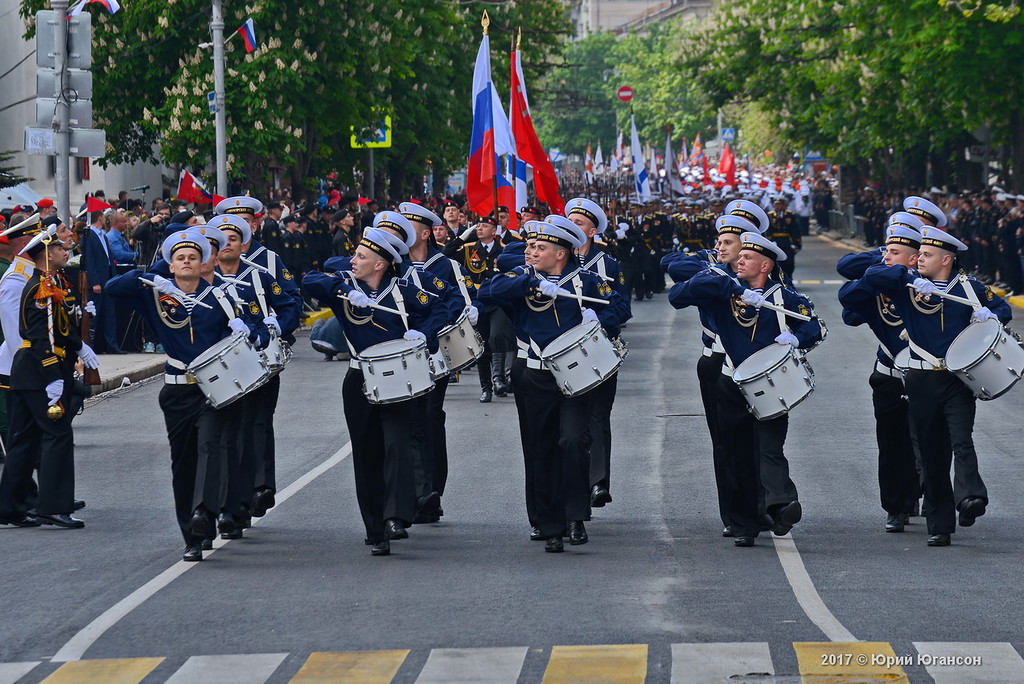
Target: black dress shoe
{"points": [[766, 522], [577, 533], [382, 548], [207, 545], [262, 501], [938, 540], [427, 508], [554, 545], [395, 529], [77, 505], [743, 541], [59, 520], [244, 522], [485, 397], [22, 521], [193, 553], [894, 523], [226, 524], [727, 531], [786, 517], [970, 508], [200, 524], [535, 535], [233, 534], [599, 496], [501, 389]]}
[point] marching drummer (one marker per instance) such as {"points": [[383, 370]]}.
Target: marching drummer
{"points": [[264, 297], [593, 257], [735, 310], [942, 408], [189, 316], [898, 481], [554, 428], [382, 453]]}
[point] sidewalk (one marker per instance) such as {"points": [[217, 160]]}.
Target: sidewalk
{"points": [[114, 368], [855, 245]]}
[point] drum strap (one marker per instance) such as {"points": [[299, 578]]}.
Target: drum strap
{"points": [[577, 286], [776, 294], [396, 293], [968, 290], [923, 353], [457, 275], [261, 294], [222, 299]]}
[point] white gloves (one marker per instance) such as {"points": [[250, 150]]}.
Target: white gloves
{"points": [[238, 326], [90, 308], [589, 315], [548, 288], [468, 233], [675, 241], [414, 336], [787, 338], [925, 286], [473, 314], [54, 390], [982, 314], [163, 285], [89, 358], [753, 298], [271, 322], [620, 234], [358, 298]]}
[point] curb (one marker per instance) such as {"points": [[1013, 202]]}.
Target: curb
{"points": [[321, 315], [156, 367]]}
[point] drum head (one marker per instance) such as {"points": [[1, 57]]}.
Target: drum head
{"points": [[217, 349], [570, 338], [971, 344], [390, 348], [760, 361]]}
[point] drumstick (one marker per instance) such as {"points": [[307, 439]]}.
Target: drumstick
{"points": [[253, 263], [582, 298], [179, 293], [952, 297], [784, 310], [373, 305]]}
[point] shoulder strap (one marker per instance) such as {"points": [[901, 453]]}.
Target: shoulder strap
{"points": [[396, 293], [222, 299]]}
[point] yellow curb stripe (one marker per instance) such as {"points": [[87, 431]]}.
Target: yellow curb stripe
{"points": [[321, 315], [837, 661], [104, 671], [356, 667], [613, 664]]}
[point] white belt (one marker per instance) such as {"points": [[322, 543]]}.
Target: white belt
{"points": [[707, 351], [182, 379], [353, 363], [886, 370], [918, 364], [535, 364]]}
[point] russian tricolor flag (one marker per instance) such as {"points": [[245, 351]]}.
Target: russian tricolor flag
{"points": [[248, 31], [112, 6], [491, 137]]}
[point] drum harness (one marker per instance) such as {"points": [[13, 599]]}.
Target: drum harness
{"points": [[936, 362], [523, 353], [222, 299], [396, 294], [775, 292]]}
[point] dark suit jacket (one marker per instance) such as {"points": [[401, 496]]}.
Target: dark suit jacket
{"points": [[99, 267]]}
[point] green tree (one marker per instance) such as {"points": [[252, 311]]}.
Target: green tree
{"points": [[9, 173]]}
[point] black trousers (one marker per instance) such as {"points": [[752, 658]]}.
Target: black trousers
{"points": [[709, 371], [382, 456], [755, 455], [898, 483], [602, 398], [942, 411], [483, 364], [255, 443], [195, 431], [35, 439], [431, 461], [556, 445], [526, 435]]}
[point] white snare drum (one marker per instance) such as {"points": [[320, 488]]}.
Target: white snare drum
{"points": [[396, 370], [460, 344], [229, 369], [277, 353], [439, 365], [581, 358], [773, 380], [987, 358]]}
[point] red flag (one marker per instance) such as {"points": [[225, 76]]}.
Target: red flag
{"points": [[92, 204], [191, 189], [707, 172], [528, 147], [727, 166]]}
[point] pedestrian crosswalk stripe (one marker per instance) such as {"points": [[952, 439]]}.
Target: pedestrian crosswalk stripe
{"points": [[12, 672], [355, 667], [970, 663], [254, 668], [829, 659], [480, 665], [621, 664], [104, 671], [701, 663]]}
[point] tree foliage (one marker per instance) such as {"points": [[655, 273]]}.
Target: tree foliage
{"points": [[9, 173]]}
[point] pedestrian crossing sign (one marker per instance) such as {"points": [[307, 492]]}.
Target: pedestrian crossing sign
{"points": [[376, 135]]}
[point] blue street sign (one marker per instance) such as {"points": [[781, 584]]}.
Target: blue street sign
{"points": [[212, 98], [728, 134]]}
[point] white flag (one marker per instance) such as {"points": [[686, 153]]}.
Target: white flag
{"points": [[640, 179], [599, 161], [672, 166]]}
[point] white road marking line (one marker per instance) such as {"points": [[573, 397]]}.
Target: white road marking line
{"points": [[12, 672], [806, 595], [76, 647], [482, 665], [999, 662], [700, 663], [252, 668]]}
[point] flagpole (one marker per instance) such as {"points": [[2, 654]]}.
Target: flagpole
{"points": [[485, 22], [220, 116], [512, 166]]}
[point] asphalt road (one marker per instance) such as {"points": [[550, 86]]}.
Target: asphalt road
{"points": [[657, 591]]}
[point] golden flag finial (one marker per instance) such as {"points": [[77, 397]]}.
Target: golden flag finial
{"points": [[519, 38], [485, 21]]}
